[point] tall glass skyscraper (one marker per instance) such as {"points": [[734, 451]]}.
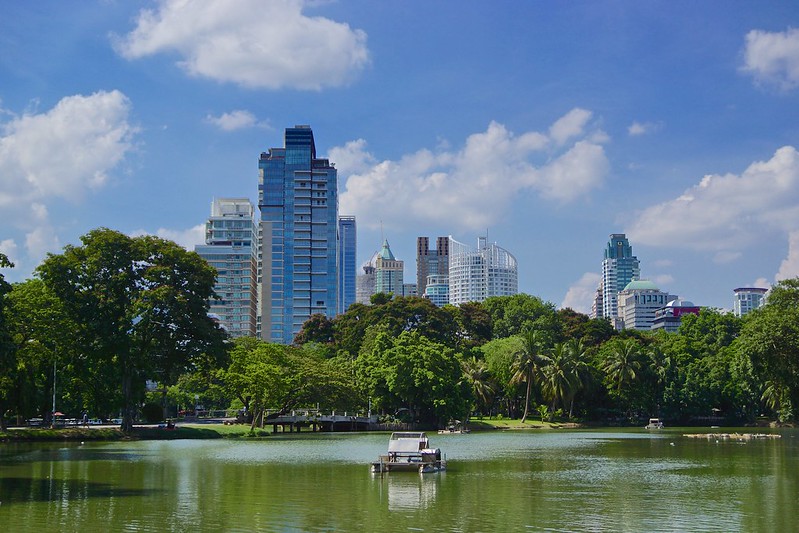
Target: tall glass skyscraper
{"points": [[298, 200], [619, 267], [347, 244]]}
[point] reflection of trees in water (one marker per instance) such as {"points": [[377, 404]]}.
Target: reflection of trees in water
{"points": [[24, 489]]}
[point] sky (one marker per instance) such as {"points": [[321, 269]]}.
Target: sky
{"points": [[545, 126]]}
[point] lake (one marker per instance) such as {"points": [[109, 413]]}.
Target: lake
{"points": [[576, 480]]}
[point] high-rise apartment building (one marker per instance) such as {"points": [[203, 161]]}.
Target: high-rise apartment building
{"points": [[431, 262], [347, 244], [366, 283], [388, 272], [475, 275], [619, 268], [298, 200], [748, 299], [231, 247]]}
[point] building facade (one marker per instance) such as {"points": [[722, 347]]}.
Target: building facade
{"points": [[231, 248], [748, 299], [437, 289], [669, 318], [431, 262], [638, 302], [365, 283], [619, 268], [477, 274], [388, 272], [347, 243], [298, 201]]}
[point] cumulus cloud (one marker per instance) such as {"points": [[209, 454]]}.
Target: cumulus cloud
{"points": [[187, 238], [251, 43], [84, 137], [789, 268], [55, 155], [570, 125], [235, 120], [773, 57], [580, 295], [722, 214], [473, 186]]}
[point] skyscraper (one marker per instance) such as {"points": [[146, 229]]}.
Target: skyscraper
{"points": [[389, 272], [619, 268], [347, 243], [475, 275], [230, 247], [298, 200], [431, 262]]}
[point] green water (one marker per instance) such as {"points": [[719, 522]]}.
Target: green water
{"points": [[629, 480]]}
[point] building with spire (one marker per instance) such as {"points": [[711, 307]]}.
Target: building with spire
{"points": [[298, 201], [388, 271]]}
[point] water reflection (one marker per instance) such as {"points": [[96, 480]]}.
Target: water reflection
{"points": [[406, 491]]}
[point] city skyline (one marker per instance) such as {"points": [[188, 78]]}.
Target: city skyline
{"points": [[544, 126]]}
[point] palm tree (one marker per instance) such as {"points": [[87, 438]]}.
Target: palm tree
{"points": [[623, 364], [528, 362], [560, 380], [477, 376], [581, 369]]}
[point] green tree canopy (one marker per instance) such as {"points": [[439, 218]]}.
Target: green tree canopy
{"points": [[140, 305]]}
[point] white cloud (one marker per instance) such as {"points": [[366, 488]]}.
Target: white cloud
{"points": [[762, 283], [580, 295], [722, 214], [9, 248], [773, 57], [570, 125], [789, 268], [726, 256], [641, 128], [251, 43], [235, 120], [187, 238], [41, 240], [56, 155], [471, 187], [83, 137], [662, 280]]}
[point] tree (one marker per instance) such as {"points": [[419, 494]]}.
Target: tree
{"points": [[140, 305], [623, 364], [478, 379], [415, 373], [318, 328], [513, 315], [473, 324], [529, 362], [769, 346], [7, 348]]}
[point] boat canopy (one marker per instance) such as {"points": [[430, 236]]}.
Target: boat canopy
{"points": [[407, 442]]}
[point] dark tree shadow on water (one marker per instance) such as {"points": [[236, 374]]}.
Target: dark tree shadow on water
{"points": [[22, 489]]}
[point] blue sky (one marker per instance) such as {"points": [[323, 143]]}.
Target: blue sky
{"points": [[545, 125]]}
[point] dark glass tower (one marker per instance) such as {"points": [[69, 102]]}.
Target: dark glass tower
{"points": [[347, 241], [298, 200]]}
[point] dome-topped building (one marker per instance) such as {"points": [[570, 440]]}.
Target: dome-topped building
{"points": [[638, 302]]}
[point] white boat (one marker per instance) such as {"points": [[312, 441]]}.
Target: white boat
{"points": [[410, 451], [654, 423]]}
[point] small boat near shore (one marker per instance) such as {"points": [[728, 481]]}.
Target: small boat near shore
{"points": [[654, 423], [410, 451]]}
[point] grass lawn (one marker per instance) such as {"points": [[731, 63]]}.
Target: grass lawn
{"points": [[484, 423], [188, 431]]}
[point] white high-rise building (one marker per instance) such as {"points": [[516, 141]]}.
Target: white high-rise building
{"points": [[639, 301], [475, 275], [231, 247], [747, 299]]}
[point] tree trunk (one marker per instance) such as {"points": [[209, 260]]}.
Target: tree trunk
{"points": [[527, 398], [127, 410]]}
